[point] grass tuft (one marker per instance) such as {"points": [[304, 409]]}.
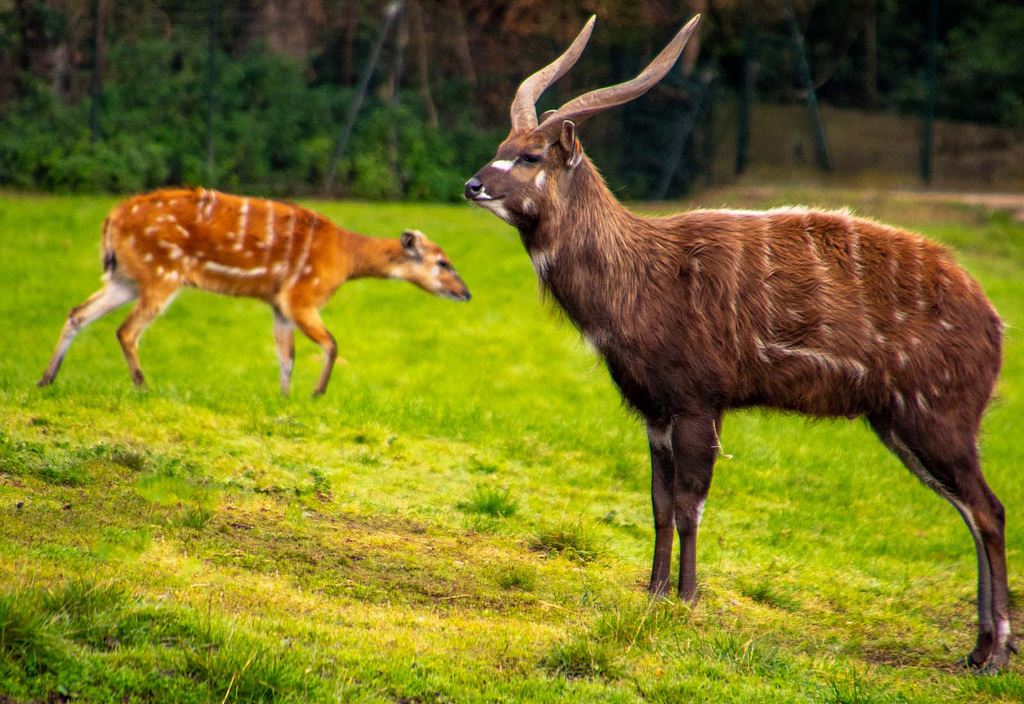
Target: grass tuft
{"points": [[634, 620], [851, 689], [522, 577], [491, 501], [574, 541], [582, 656], [249, 672], [25, 636], [750, 655], [129, 459], [766, 591]]}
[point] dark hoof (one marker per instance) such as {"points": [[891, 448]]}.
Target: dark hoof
{"points": [[44, 382]]}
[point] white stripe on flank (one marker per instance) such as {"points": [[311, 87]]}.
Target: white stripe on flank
{"points": [[825, 359], [503, 164], [209, 204], [762, 349], [922, 402], [243, 218], [301, 263], [216, 268], [282, 266], [733, 303], [270, 234]]}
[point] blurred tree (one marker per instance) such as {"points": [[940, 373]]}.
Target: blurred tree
{"points": [[286, 71]]}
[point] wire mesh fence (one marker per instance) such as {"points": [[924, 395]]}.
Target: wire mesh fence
{"points": [[405, 100]]}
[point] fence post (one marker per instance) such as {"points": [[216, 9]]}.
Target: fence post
{"points": [[746, 98], [931, 80], [820, 144], [390, 14], [211, 80], [697, 93], [96, 82]]}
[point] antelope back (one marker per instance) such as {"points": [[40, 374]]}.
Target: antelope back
{"points": [[218, 242]]}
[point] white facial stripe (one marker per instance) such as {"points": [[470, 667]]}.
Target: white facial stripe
{"points": [[503, 164], [539, 181]]}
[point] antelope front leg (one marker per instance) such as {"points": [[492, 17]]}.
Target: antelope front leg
{"points": [[694, 446], [662, 491], [284, 337], [112, 296], [312, 326]]}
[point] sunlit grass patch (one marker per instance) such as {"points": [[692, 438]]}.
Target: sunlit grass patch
{"points": [[464, 517]]}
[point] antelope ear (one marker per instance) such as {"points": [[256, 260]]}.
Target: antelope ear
{"points": [[412, 242], [571, 144]]}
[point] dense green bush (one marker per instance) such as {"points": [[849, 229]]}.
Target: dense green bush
{"points": [[274, 132]]}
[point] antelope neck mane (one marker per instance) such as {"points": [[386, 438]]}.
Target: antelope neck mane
{"points": [[588, 234]]}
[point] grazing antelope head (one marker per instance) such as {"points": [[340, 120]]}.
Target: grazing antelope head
{"points": [[425, 264], [534, 165]]}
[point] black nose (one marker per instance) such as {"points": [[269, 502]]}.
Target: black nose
{"points": [[473, 187]]}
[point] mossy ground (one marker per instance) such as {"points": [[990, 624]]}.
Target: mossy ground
{"points": [[465, 516]]}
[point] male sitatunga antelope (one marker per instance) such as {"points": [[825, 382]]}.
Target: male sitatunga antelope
{"points": [[290, 257], [802, 310]]}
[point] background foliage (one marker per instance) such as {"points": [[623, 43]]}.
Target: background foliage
{"points": [[286, 73]]}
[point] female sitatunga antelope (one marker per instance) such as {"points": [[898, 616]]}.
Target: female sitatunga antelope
{"points": [[290, 257], [803, 310]]}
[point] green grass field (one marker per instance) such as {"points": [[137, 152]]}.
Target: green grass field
{"points": [[465, 516]]}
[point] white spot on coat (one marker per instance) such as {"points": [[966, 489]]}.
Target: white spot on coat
{"points": [[503, 164], [538, 181]]}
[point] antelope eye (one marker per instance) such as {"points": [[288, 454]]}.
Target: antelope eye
{"points": [[530, 158], [444, 265]]}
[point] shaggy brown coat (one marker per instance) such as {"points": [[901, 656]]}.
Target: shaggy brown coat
{"points": [[802, 310]]}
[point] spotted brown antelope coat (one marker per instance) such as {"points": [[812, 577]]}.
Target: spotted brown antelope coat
{"points": [[280, 253], [802, 310]]}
